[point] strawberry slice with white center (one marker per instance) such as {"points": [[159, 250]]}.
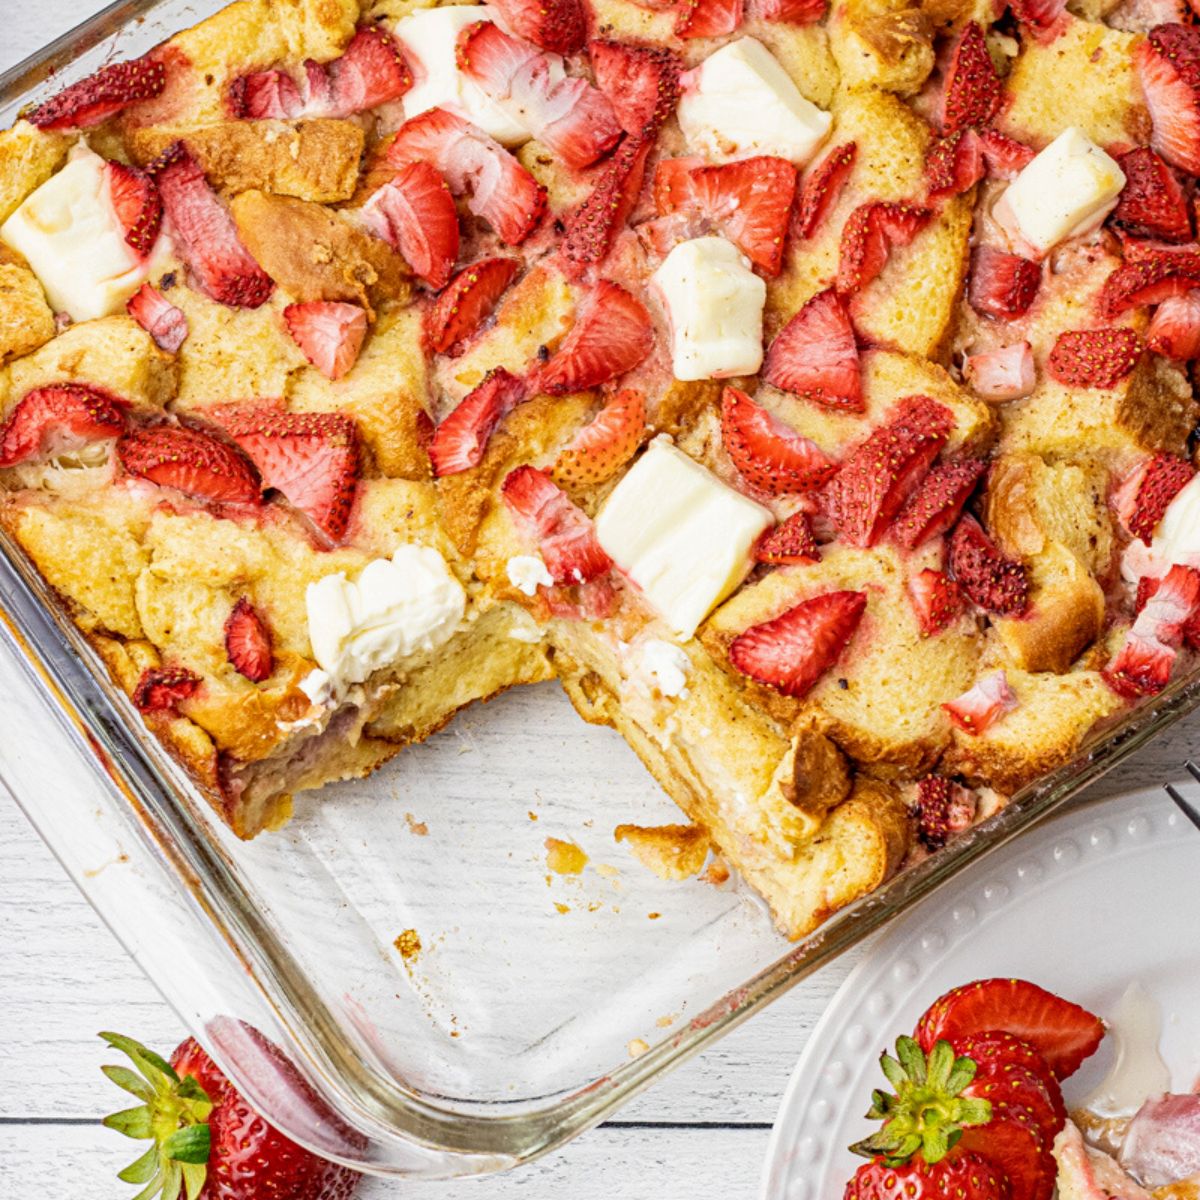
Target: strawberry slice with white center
{"points": [[248, 642], [790, 542], [1149, 275], [793, 651], [468, 302], [641, 82], [1042, 18], [936, 599], [1006, 373], [611, 335], [791, 12], [1002, 286], [605, 444], [310, 458], [370, 72], [593, 226], [979, 708], [870, 233], [329, 332], [1152, 203], [972, 88], [59, 419], [101, 95], [264, 95], [880, 475], [1142, 666], [461, 440], [138, 206], [205, 233], [822, 186], [1168, 66], [569, 116], [414, 211], [565, 536], [750, 200], [191, 462], [497, 187], [165, 323], [815, 355], [937, 501], [954, 164], [768, 454], [162, 689], [707, 18], [1174, 330], [1004, 157], [556, 25], [996, 583], [1146, 492]]}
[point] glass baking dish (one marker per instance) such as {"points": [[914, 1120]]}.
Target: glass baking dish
{"points": [[450, 1007]]}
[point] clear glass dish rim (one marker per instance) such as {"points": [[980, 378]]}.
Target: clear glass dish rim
{"points": [[129, 760]]}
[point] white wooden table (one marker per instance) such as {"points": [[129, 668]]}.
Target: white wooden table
{"points": [[63, 977]]}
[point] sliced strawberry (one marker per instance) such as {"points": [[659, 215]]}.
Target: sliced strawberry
{"points": [[672, 188], [954, 164], [1149, 276], [370, 72], [414, 211], [556, 25], [937, 501], [1063, 1033], [329, 333], [971, 94], [794, 650], [822, 186], [310, 458], [1017, 1090], [1141, 667], [981, 706], [497, 187], [881, 474], [1168, 65], [1144, 495], [165, 323], [265, 95], [605, 444], [205, 233], [767, 453], [1002, 286], [101, 95], [564, 534], [793, 12], [593, 226], [1004, 374], [611, 335], [1005, 157], [160, 689], [1094, 358], [137, 203], [790, 542], [944, 808], [936, 599], [468, 301], [998, 1055], [815, 355], [870, 233], [1152, 203], [1174, 329], [190, 461], [461, 440], [996, 583], [248, 642], [58, 419], [1013, 1142], [707, 18], [641, 82], [1170, 607], [566, 113]]}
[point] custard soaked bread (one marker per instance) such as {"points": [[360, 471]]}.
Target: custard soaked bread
{"points": [[807, 390]]}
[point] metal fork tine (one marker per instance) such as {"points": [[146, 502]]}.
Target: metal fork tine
{"points": [[1193, 770], [1185, 806]]}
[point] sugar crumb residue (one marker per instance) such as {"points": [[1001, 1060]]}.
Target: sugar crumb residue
{"points": [[419, 828], [654, 916], [562, 908], [532, 815], [637, 1047], [564, 858], [409, 944]]}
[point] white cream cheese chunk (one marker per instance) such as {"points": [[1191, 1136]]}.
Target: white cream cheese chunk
{"points": [[665, 666], [74, 243], [1176, 538], [680, 534], [526, 571], [430, 38], [1066, 191], [740, 101], [397, 607], [714, 303]]}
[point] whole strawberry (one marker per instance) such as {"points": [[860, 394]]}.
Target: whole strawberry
{"points": [[208, 1143], [964, 1177]]}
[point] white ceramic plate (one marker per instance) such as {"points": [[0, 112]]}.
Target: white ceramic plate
{"points": [[1083, 905]]}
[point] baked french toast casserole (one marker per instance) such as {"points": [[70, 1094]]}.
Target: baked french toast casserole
{"points": [[806, 388]]}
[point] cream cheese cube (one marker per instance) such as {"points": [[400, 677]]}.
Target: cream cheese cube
{"points": [[74, 243], [714, 303], [739, 101], [680, 534], [429, 37], [1066, 191]]}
